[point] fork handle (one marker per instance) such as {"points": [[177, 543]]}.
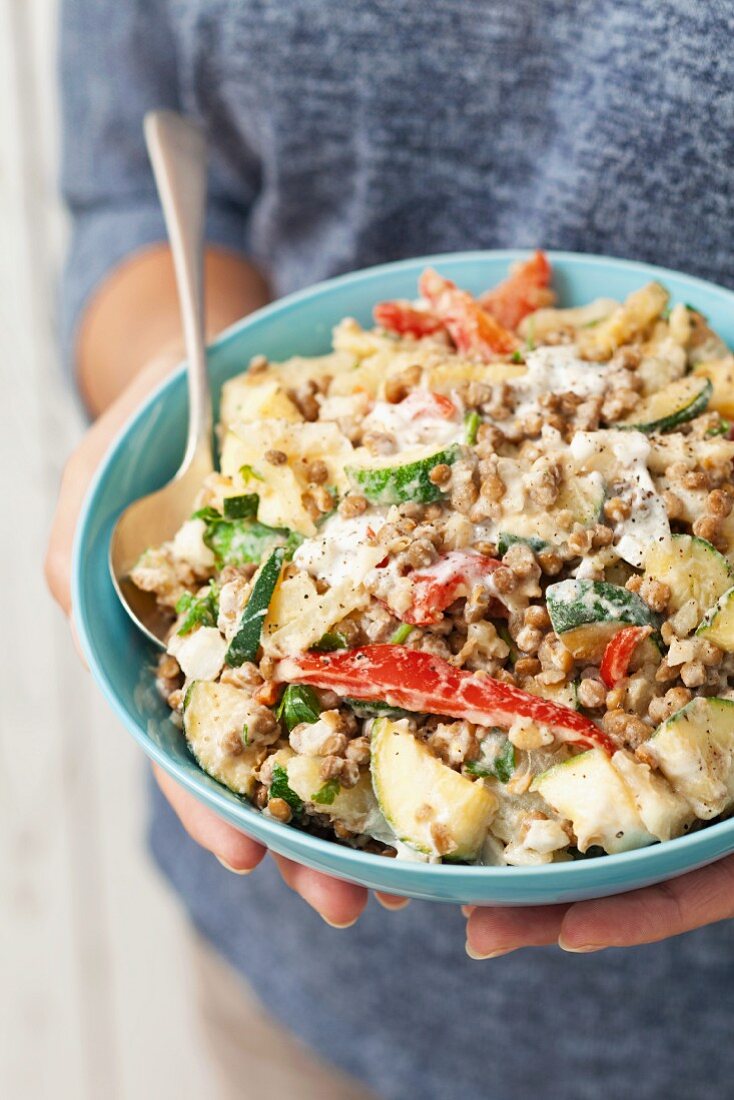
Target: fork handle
{"points": [[177, 151]]}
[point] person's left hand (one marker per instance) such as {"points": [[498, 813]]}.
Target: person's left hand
{"points": [[626, 920]]}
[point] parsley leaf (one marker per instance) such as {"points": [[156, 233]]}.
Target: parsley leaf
{"points": [[326, 794], [299, 704], [279, 788], [501, 767], [198, 610]]}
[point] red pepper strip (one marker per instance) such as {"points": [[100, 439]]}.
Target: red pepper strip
{"points": [[427, 684], [618, 653], [426, 403], [436, 587], [526, 290], [404, 319], [471, 328]]}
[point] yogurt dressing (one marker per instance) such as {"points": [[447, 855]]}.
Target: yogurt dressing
{"points": [[341, 550], [411, 430], [625, 454], [556, 370]]}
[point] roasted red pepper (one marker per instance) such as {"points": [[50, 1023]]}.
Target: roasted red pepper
{"points": [[405, 319], [426, 684], [618, 653], [437, 586], [527, 289], [471, 328]]}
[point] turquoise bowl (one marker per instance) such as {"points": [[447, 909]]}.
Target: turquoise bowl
{"points": [[146, 454]]}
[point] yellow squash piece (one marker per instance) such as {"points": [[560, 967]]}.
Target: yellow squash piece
{"points": [[627, 323], [720, 373], [281, 487]]}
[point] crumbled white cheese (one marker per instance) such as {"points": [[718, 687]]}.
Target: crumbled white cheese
{"points": [[200, 654], [188, 545]]}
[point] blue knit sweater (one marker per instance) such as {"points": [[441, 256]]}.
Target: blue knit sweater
{"points": [[347, 132]]}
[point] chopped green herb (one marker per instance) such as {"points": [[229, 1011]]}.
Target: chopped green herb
{"points": [[291, 544], [506, 637], [517, 357], [298, 704], [198, 610], [500, 768], [472, 420], [330, 642], [247, 472], [245, 735], [695, 309], [665, 314], [242, 540], [208, 514], [279, 788], [402, 634], [241, 507], [326, 794], [722, 428]]}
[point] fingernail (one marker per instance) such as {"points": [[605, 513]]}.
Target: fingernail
{"points": [[579, 949], [334, 924], [392, 906], [467, 910], [492, 954], [234, 870]]}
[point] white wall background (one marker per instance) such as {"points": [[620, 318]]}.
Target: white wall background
{"points": [[96, 998]]}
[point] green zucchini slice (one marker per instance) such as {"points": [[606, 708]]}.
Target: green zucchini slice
{"points": [[694, 749], [590, 792], [718, 625], [662, 411], [245, 643], [692, 568], [213, 715], [382, 481], [587, 614], [423, 800]]}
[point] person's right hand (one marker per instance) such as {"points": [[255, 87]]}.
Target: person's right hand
{"points": [[339, 903]]}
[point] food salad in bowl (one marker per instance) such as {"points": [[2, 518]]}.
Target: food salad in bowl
{"points": [[461, 590]]}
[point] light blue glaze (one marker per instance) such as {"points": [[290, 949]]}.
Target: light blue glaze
{"points": [[146, 454]]}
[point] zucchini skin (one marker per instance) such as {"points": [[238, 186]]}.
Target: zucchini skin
{"points": [[694, 408], [400, 484], [574, 603], [506, 539], [245, 643]]}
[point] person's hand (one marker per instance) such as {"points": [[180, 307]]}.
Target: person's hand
{"points": [[626, 920], [339, 903]]}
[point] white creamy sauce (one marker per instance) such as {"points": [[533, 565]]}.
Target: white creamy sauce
{"points": [[411, 430], [341, 549], [556, 370], [625, 455]]}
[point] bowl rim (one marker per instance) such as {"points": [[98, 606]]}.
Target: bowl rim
{"points": [[699, 846]]}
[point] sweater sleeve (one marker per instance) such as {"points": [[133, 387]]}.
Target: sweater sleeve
{"points": [[117, 61]]}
